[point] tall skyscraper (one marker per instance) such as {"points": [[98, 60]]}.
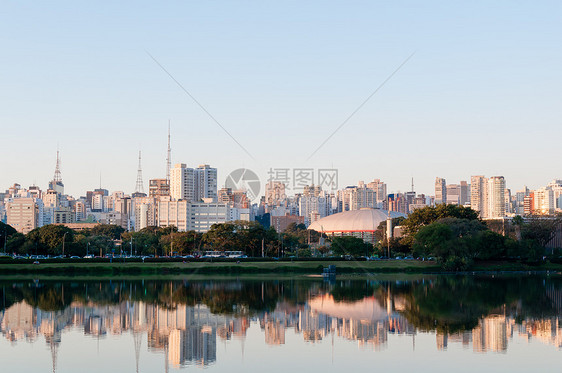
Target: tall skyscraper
{"points": [[440, 191], [496, 197], [465, 193], [478, 194], [182, 182], [380, 188], [205, 182]]}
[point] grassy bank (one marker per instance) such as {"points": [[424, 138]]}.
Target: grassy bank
{"points": [[247, 267], [114, 269]]}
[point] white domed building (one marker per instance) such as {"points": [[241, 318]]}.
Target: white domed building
{"points": [[358, 223]]}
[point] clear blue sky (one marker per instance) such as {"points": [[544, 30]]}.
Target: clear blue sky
{"points": [[480, 96]]}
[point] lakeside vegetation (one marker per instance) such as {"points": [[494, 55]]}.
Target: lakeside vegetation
{"points": [[453, 237]]}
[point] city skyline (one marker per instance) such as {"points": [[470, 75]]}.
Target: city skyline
{"points": [[221, 176], [280, 78]]}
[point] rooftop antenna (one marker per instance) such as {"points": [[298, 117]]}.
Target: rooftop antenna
{"points": [[169, 157], [412, 183], [58, 177], [139, 188]]}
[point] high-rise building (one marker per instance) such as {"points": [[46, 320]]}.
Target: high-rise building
{"points": [[312, 207], [440, 191], [519, 202], [496, 197], [205, 182], [174, 213], [274, 194], [182, 182], [453, 194], [556, 186], [529, 204], [193, 184], [22, 214], [380, 188], [465, 193], [544, 202], [145, 212], [478, 194], [158, 188]]}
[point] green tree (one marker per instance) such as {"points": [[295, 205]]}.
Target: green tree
{"points": [[6, 231], [429, 214], [349, 245], [183, 242], [296, 237], [453, 242], [109, 230], [49, 238]]}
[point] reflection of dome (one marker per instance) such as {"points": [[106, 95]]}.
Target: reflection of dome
{"points": [[367, 309], [360, 223]]}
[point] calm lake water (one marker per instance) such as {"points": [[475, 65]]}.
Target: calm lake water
{"points": [[389, 323]]}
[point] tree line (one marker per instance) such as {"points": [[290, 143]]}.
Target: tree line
{"points": [[251, 238], [453, 235], [456, 237]]}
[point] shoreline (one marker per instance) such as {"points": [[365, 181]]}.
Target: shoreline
{"points": [[228, 268]]}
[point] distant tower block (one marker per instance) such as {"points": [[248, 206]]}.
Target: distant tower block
{"points": [[139, 189]]}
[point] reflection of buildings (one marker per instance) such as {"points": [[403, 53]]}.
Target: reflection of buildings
{"points": [[491, 334], [195, 344], [548, 331], [187, 335]]}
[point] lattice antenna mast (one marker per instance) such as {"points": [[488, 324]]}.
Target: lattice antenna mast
{"points": [[139, 188], [169, 157], [58, 175]]}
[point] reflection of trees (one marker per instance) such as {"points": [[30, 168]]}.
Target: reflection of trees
{"points": [[456, 303], [9, 295], [352, 291], [443, 303], [52, 297], [220, 296]]}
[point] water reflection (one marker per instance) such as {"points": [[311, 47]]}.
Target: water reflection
{"points": [[184, 319]]}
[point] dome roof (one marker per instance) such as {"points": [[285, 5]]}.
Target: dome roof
{"points": [[366, 309], [363, 220]]}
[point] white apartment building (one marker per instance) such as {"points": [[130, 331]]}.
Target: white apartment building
{"points": [[380, 188], [496, 197], [544, 202], [203, 215], [174, 213], [556, 186], [310, 206], [193, 184], [206, 182], [182, 182], [197, 216], [488, 196], [145, 212], [478, 194]]}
